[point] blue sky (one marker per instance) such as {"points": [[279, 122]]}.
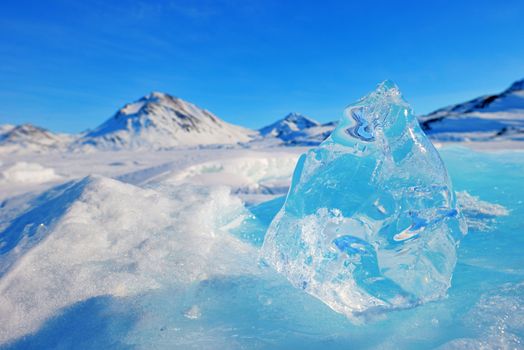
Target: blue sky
{"points": [[69, 65]]}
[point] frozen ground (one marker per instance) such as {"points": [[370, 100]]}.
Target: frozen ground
{"points": [[160, 250]]}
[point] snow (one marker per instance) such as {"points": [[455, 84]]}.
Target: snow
{"points": [[146, 247], [159, 232], [290, 124], [5, 128], [294, 130], [485, 118], [160, 121], [480, 215], [261, 174], [22, 172], [27, 138], [133, 108], [115, 239]]}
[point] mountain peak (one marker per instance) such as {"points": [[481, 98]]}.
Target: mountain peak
{"points": [[298, 118], [157, 96], [294, 115], [286, 127], [154, 97], [159, 120], [31, 136], [26, 130]]}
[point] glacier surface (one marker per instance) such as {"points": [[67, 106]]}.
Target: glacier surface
{"points": [[370, 221]]}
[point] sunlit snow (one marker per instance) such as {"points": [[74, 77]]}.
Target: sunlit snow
{"points": [[161, 249]]}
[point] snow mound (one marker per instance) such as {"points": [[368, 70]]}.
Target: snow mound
{"points": [[29, 173], [99, 236], [258, 174]]}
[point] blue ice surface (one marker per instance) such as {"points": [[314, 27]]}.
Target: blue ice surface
{"points": [[484, 306]]}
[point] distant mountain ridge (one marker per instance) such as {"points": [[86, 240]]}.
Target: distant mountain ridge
{"points": [[161, 121], [487, 117], [31, 138], [491, 117]]}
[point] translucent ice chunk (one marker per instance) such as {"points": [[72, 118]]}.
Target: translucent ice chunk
{"points": [[370, 220]]}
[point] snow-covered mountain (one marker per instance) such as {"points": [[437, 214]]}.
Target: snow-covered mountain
{"points": [[27, 137], [286, 127], [297, 129], [160, 121], [490, 117], [499, 116]]}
